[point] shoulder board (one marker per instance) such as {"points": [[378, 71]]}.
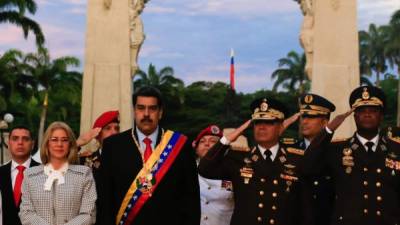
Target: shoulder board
{"points": [[85, 153], [395, 139], [288, 140], [336, 140], [295, 151]]}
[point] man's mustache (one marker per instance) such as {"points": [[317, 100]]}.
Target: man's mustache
{"points": [[146, 119]]}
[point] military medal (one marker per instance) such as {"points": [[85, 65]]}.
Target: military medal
{"points": [[288, 184], [282, 159], [348, 160], [246, 172], [254, 158]]}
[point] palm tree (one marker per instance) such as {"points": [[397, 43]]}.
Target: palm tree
{"points": [[393, 52], [372, 49], [291, 74], [13, 11], [48, 74]]}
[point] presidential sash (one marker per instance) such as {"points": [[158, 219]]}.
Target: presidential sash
{"points": [[150, 176]]}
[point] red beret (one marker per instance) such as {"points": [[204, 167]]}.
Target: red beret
{"points": [[106, 118], [210, 130]]}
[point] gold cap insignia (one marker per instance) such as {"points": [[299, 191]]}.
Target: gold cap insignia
{"points": [[308, 99], [365, 94], [264, 106]]}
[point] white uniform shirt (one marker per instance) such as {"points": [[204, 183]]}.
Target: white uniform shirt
{"points": [[216, 202]]}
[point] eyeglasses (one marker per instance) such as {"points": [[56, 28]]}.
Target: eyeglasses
{"points": [[55, 140]]}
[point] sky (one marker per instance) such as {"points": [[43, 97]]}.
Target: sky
{"points": [[195, 36]]}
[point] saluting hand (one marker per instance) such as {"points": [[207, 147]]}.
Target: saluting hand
{"points": [[289, 121], [238, 131], [88, 136], [338, 120]]}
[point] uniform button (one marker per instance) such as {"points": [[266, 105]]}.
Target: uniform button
{"points": [[379, 198], [260, 205], [378, 170], [262, 180], [365, 196], [378, 184], [261, 193], [378, 213], [259, 219], [340, 217], [314, 196], [271, 221], [273, 207], [365, 211], [365, 169], [274, 194], [315, 183], [365, 183], [275, 182]]}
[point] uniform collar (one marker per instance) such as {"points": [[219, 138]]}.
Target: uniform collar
{"points": [[274, 150], [364, 141]]}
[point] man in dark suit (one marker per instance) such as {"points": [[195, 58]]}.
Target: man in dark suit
{"points": [[266, 183], [20, 144], [132, 189], [365, 167]]}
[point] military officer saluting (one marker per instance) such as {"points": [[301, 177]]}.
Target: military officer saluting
{"points": [[365, 168], [108, 122], [315, 112], [267, 188]]}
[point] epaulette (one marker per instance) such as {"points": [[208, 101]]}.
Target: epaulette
{"points": [[395, 139], [295, 151], [288, 141], [336, 140], [85, 153]]}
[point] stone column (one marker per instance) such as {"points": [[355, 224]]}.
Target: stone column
{"points": [[335, 55], [114, 35]]}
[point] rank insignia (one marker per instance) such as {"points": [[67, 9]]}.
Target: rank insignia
{"points": [[254, 158], [282, 159], [295, 151]]}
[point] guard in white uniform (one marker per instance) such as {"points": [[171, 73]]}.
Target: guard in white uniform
{"points": [[216, 195]]}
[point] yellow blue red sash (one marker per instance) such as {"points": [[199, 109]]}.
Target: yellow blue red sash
{"points": [[158, 164]]}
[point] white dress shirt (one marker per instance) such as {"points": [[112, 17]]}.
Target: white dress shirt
{"points": [[141, 136], [14, 170], [364, 141], [306, 143], [274, 150]]}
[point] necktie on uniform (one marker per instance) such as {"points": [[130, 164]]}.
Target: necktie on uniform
{"points": [[148, 150], [369, 145], [18, 184], [268, 154]]}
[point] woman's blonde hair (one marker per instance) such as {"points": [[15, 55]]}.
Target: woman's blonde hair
{"points": [[72, 156]]}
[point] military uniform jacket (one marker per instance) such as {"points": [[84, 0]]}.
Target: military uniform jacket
{"points": [[320, 191], [175, 201], [367, 188], [272, 195]]}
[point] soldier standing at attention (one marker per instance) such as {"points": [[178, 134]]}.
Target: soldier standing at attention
{"points": [[267, 188], [365, 167]]}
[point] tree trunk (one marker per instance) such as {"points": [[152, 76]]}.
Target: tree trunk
{"points": [[378, 82], [43, 119], [398, 96]]}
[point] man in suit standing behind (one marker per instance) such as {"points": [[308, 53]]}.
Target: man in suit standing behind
{"points": [[147, 175], [20, 145]]}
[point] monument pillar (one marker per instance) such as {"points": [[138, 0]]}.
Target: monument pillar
{"points": [[114, 34], [333, 53]]}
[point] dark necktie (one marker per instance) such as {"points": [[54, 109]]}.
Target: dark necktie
{"points": [[268, 154], [369, 145]]}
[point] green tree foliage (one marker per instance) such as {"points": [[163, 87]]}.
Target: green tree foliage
{"points": [[14, 12]]}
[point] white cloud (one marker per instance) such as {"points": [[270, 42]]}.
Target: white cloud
{"points": [[376, 11]]}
